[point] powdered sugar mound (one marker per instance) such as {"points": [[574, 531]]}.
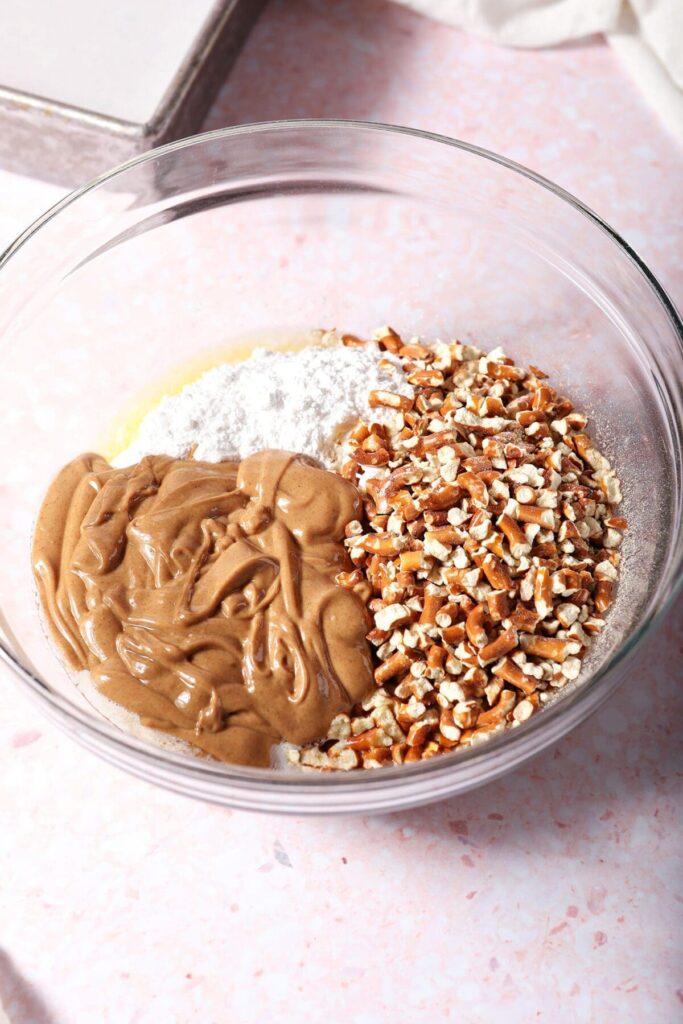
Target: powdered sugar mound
{"points": [[298, 401]]}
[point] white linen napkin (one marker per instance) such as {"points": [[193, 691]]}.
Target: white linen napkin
{"points": [[647, 35]]}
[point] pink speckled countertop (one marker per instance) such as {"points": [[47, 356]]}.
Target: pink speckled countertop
{"points": [[553, 895]]}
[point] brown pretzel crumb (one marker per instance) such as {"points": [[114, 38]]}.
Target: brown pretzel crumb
{"points": [[489, 554]]}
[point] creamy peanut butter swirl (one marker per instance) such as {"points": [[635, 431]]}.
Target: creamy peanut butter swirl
{"points": [[201, 596]]}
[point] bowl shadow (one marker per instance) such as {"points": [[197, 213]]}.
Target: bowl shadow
{"points": [[19, 999]]}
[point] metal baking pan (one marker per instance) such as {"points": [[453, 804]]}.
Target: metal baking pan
{"points": [[67, 144]]}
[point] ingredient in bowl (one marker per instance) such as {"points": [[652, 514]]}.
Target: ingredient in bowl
{"points": [[490, 544], [202, 597], [471, 528], [300, 401]]}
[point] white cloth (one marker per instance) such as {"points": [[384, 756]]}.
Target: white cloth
{"points": [[647, 35]]}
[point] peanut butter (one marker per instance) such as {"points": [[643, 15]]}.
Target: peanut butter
{"points": [[202, 596]]}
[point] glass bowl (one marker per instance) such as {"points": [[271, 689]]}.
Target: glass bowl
{"points": [[265, 231]]}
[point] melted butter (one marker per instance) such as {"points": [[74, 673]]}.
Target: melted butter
{"points": [[202, 596]]}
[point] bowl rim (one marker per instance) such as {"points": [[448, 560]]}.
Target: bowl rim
{"points": [[558, 718]]}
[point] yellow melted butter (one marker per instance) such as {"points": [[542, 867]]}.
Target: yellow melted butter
{"points": [[126, 425]]}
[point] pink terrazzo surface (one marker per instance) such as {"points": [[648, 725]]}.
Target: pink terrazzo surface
{"points": [[552, 895]]}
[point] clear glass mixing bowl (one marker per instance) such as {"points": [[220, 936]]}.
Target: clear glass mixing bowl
{"points": [[274, 228]]}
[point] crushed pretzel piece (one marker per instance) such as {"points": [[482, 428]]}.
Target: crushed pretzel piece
{"points": [[487, 555]]}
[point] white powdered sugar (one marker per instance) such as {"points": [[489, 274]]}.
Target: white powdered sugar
{"points": [[297, 401]]}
